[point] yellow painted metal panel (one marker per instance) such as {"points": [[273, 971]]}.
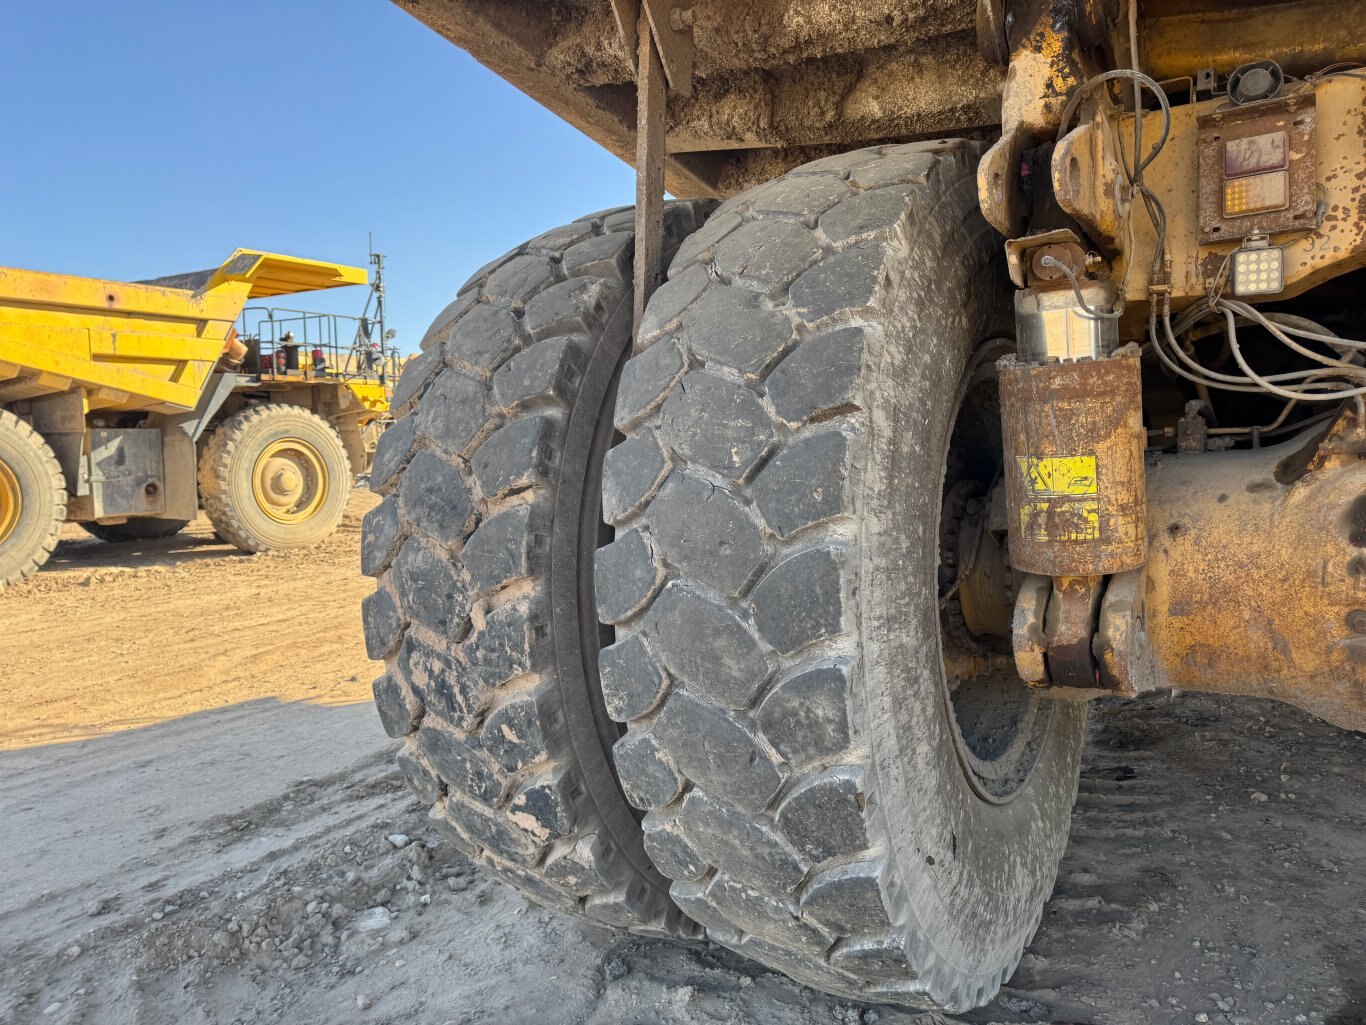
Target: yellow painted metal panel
{"points": [[275, 274], [371, 394], [67, 351], [81, 296]]}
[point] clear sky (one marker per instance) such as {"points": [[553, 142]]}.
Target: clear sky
{"points": [[152, 137]]}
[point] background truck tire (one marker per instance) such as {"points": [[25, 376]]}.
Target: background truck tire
{"points": [[274, 476], [773, 584], [140, 528], [483, 549], [32, 500]]}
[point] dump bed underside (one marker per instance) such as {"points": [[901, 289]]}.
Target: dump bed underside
{"points": [[776, 83]]}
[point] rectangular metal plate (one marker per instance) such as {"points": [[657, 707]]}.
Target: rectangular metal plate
{"points": [[1237, 143], [121, 466]]}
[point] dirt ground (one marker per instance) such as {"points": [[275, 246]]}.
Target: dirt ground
{"points": [[201, 825]]}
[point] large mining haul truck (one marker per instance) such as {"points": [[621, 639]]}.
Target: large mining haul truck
{"points": [[127, 406], [746, 562]]}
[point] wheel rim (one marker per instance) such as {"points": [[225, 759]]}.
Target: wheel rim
{"points": [[999, 724], [11, 502], [289, 481]]}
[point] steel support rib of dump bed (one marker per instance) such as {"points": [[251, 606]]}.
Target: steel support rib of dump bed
{"points": [[774, 85]]}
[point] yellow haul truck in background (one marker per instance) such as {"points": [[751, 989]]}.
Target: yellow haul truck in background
{"points": [[125, 407]]}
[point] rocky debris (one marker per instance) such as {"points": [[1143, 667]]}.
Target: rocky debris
{"points": [[373, 920], [1157, 918]]}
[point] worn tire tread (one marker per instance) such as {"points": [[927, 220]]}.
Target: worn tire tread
{"points": [[486, 739], [753, 779]]}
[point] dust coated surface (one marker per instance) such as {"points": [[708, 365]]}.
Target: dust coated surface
{"points": [[201, 824]]}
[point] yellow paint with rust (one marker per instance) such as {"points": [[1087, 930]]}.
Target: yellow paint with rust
{"points": [[1062, 510], [1335, 245], [137, 346], [1252, 585], [1063, 426], [371, 394], [1059, 475]]}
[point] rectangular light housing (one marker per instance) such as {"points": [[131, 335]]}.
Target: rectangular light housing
{"points": [[1257, 194], [1259, 271]]}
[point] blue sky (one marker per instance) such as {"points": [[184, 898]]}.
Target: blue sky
{"points": [[154, 137]]}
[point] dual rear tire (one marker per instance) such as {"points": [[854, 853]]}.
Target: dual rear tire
{"points": [[758, 637], [483, 551]]}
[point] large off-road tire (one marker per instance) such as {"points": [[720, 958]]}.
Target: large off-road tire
{"points": [[822, 801], [483, 549], [32, 500], [274, 476], [139, 528]]}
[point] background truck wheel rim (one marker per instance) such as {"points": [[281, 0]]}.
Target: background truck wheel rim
{"points": [[289, 481], [999, 724], [11, 502]]}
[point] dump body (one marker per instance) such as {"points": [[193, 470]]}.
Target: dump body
{"points": [[137, 346], [777, 83]]}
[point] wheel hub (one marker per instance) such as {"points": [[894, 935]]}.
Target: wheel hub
{"points": [[289, 481], [11, 502]]}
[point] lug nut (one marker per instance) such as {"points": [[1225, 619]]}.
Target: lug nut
{"points": [[1356, 621]]}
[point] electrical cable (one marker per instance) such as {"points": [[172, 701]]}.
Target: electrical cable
{"points": [[1087, 309], [1312, 385]]}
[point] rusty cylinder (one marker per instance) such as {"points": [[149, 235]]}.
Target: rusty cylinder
{"points": [[1074, 440]]}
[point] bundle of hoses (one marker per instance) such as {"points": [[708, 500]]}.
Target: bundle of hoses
{"points": [[1337, 377]]}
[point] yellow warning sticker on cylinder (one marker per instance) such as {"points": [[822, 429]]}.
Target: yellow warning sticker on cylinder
{"points": [[1061, 520], [1059, 475]]}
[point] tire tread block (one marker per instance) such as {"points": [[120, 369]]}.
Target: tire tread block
{"points": [[462, 543]]}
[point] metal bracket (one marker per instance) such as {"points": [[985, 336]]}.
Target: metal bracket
{"points": [[1049, 43], [211, 399], [1121, 642], [659, 34], [1088, 182], [1027, 630], [671, 27], [651, 126], [1060, 242], [1054, 637]]}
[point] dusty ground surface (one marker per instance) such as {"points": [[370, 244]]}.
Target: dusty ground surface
{"points": [[197, 802]]}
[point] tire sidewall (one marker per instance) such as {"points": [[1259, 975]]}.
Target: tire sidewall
{"points": [[974, 873], [267, 534], [574, 536], [42, 513]]}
